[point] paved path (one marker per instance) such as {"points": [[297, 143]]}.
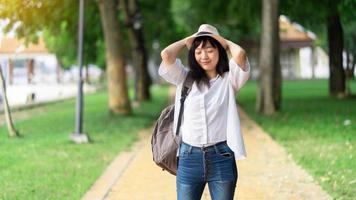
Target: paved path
{"points": [[267, 173]]}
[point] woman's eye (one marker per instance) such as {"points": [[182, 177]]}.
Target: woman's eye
{"points": [[197, 52]]}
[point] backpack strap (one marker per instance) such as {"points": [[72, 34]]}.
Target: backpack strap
{"points": [[187, 86]]}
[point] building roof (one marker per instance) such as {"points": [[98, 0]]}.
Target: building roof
{"points": [[9, 45], [293, 35]]}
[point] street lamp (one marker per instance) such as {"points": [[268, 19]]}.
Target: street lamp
{"points": [[78, 136]]}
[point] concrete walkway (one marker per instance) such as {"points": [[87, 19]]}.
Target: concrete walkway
{"points": [[267, 173]]}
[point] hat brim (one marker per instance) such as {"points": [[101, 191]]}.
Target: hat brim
{"points": [[221, 40]]}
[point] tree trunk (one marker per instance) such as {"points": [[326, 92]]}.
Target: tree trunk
{"points": [[11, 71], [139, 53], [314, 59], [12, 132], [353, 66], [347, 70], [87, 77], [269, 93], [335, 42], [30, 70], [117, 88], [58, 71]]}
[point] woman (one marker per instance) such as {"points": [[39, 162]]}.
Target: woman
{"points": [[210, 127]]}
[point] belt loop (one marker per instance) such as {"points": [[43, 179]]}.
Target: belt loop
{"points": [[190, 149], [216, 149]]}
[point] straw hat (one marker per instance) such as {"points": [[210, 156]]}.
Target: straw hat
{"points": [[206, 30]]}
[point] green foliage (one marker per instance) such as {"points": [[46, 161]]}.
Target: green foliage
{"points": [[63, 46], [313, 128], [63, 40], [58, 21], [44, 164], [349, 25], [350, 38], [158, 24], [36, 15], [236, 19]]}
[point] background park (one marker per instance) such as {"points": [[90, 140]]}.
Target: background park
{"points": [[302, 91]]}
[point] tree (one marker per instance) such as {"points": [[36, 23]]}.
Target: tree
{"points": [[235, 19], [337, 80], [118, 95], [133, 19], [28, 18], [159, 28], [269, 93], [325, 16], [12, 132], [62, 39], [57, 19], [349, 24], [239, 20], [350, 49]]}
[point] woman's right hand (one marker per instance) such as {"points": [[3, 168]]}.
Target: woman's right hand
{"points": [[170, 53]]}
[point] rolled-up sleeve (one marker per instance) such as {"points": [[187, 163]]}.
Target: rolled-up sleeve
{"points": [[174, 73], [237, 76]]}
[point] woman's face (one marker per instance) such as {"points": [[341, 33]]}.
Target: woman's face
{"points": [[207, 56]]}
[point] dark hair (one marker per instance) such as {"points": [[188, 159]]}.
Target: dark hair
{"points": [[198, 73]]}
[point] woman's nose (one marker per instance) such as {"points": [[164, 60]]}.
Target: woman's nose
{"points": [[204, 55]]}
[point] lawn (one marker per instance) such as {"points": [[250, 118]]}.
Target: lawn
{"points": [[44, 164], [319, 131]]}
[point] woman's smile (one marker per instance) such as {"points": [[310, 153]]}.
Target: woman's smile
{"points": [[205, 62], [207, 56]]}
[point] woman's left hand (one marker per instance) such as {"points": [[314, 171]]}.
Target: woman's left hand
{"points": [[238, 54]]}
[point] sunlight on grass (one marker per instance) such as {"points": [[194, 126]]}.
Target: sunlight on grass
{"points": [[44, 164]]}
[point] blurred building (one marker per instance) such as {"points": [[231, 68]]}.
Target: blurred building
{"points": [[23, 64], [299, 57], [32, 74], [32, 64]]}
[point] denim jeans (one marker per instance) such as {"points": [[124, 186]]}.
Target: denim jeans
{"points": [[214, 165]]}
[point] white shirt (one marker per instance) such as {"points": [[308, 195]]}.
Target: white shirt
{"points": [[210, 114]]}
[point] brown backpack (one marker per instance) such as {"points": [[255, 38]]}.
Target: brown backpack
{"points": [[164, 143]]}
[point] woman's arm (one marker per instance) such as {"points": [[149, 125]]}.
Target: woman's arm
{"points": [[171, 68], [170, 53], [238, 54], [239, 66]]}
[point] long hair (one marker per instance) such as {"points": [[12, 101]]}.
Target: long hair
{"points": [[197, 72]]}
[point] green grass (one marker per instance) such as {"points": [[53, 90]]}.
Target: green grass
{"points": [[44, 164], [311, 127]]}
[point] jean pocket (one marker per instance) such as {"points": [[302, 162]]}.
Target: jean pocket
{"points": [[225, 151], [226, 154], [184, 153]]}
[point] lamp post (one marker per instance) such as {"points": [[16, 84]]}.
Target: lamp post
{"points": [[78, 136]]}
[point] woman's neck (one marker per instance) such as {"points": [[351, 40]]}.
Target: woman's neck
{"points": [[211, 74]]}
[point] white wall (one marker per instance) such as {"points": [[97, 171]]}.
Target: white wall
{"points": [[45, 67], [322, 63]]}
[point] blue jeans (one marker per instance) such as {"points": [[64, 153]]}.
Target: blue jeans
{"points": [[214, 165]]}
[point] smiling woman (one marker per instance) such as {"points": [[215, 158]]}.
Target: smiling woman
{"points": [[210, 126], [207, 59]]}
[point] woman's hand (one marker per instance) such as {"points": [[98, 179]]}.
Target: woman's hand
{"points": [[238, 54]]}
